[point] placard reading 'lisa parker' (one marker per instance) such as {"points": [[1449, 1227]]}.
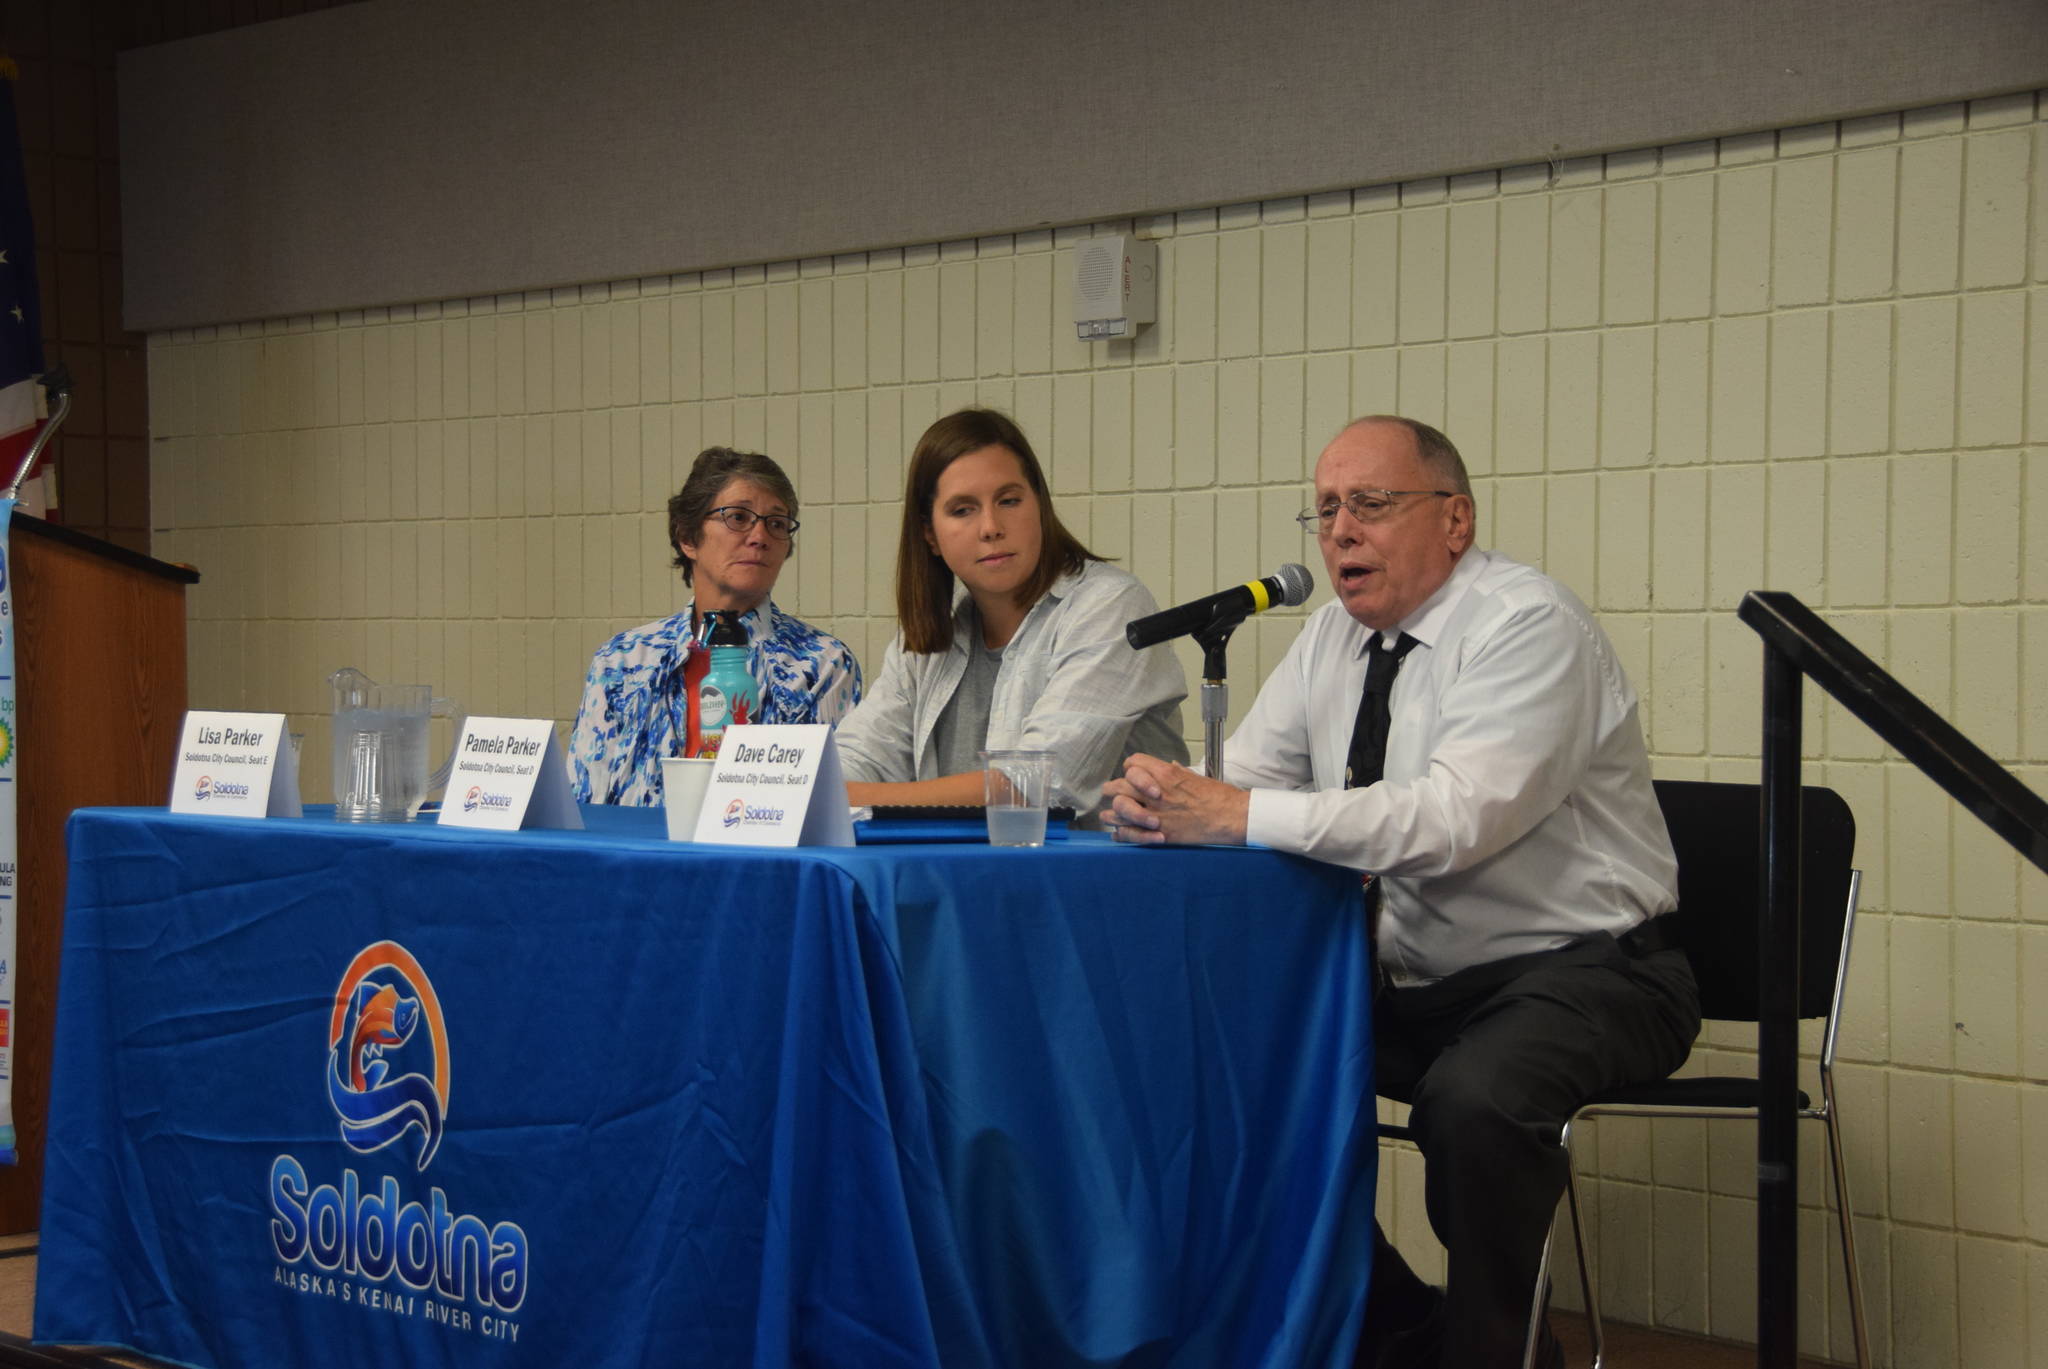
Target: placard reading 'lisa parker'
{"points": [[509, 774], [777, 785], [235, 765]]}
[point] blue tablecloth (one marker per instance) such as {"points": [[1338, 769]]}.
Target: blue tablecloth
{"points": [[374, 1096]]}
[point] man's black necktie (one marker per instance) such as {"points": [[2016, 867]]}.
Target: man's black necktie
{"points": [[1368, 759]]}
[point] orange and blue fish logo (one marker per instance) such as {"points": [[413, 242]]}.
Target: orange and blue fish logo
{"points": [[387, 1053]]}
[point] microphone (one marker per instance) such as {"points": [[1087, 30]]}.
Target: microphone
{"points": [[1289, 585]]}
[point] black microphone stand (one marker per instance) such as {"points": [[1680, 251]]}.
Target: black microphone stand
{"points": [[1214, 636]]}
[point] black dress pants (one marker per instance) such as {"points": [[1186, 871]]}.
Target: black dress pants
{"points": [[1494, 1059]]}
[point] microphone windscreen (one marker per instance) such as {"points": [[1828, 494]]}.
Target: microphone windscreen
{"points": [[1295, 584]]}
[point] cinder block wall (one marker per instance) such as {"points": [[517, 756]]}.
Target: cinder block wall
{"points": [[1810, 360], [64, 101]]}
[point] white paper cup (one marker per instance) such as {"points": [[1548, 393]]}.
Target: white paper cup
{"points": [[683, 782]]}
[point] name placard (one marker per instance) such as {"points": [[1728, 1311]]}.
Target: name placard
{"points": [[509, 775], [237, 765], [776, 785]]}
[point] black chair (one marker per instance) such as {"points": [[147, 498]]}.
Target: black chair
{"points": [[1715, 832]]}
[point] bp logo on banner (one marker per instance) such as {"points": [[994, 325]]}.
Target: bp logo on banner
{"points": [[362, 1239]]}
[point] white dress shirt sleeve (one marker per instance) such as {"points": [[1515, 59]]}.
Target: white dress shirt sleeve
{"points": [[1517, 716], [1273, 747]]}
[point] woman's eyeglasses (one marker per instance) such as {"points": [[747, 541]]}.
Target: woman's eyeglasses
{"points": [[741, 519]]}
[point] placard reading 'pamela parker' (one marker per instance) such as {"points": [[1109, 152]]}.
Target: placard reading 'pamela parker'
{"points": [[235, 765], [509, 774], [777, 785]]}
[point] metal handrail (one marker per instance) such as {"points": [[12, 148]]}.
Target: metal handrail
{"points": [[1899, 716], [1798, 644]]}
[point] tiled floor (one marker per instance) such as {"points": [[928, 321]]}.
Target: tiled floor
{"points": [[17, 1281], [17, 1308], [1632, 1347], [1627, 1347]]}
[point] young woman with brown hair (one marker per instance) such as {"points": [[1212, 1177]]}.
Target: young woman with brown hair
{"points": [[1011, 636]]}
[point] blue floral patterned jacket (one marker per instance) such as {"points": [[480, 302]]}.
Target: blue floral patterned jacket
{"points": [[634, 711]]}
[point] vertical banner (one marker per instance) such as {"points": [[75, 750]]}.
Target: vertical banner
{"points": [[21, 362], [10, 882]]}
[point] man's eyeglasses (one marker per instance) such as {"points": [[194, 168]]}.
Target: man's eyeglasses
{"points": [[741, 519], [1367, 506]]}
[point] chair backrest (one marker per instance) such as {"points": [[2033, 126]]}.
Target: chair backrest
{"points": [[1716, 829]]}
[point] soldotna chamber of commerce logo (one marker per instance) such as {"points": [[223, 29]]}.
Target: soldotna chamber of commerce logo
{"points": [[362, 1239], [206, 787], [739, 813], [479, 797]]}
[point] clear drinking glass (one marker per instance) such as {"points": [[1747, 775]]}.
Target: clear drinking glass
{"points": [[1016, 786]]}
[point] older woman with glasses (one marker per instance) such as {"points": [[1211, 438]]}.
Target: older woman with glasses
{"points": [[732, 525]]}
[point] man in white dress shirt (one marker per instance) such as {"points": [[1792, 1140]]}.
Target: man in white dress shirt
{"points": [[1503, 800]]}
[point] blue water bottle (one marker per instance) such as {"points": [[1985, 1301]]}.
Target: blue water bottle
{"points": [[728, 695]]}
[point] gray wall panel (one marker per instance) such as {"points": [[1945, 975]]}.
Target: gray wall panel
{"points": [[403, 150]]}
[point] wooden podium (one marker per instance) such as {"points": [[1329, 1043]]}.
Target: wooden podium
{"points": [[99, 658]]}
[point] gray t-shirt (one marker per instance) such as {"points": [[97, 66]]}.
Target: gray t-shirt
{"points": [[960, 732]]}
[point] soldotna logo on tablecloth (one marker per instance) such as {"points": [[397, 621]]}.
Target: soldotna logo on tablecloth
{"points": [[362, 1241], [385, 1001]]}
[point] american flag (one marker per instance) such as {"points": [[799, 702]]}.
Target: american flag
{"points": [[21, 313]]}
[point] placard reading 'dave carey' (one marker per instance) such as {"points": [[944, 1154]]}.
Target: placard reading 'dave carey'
{"points": [[237, 765], [776, 785], [509, 775]]}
